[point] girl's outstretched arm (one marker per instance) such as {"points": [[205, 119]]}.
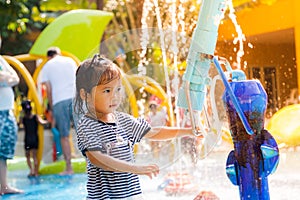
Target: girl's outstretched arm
{"points": [[41, 120], [112, 164], [167, 133]]}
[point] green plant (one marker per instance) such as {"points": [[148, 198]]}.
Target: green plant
{"points": [[15, 23]]}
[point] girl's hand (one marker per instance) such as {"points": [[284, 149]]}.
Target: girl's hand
{"points": [[151, 170]]}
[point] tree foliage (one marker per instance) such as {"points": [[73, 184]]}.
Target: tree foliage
{"points": [[16, 23], [22, 20]]}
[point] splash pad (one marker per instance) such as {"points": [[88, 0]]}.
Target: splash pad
{"points": [[208, 175], [214, 140]]}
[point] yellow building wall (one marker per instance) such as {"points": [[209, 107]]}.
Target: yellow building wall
{"points": [[296, 9], [264, 19]]}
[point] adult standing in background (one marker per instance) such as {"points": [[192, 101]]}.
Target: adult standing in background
{"points": [[58, 75], [8, 124]]}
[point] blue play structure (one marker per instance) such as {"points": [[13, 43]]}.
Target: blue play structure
{"points": [[255, 153]]}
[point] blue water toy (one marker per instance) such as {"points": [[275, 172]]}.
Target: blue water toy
{"points": [[192, 92], [255, 153]]}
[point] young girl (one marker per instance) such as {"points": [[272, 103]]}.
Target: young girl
{"points": [[106, 137], [31, 140]]}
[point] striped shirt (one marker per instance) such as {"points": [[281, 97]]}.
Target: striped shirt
{"points": [[117, 140]]}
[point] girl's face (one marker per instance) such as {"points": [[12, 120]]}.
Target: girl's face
{"points": [[105, 99]]}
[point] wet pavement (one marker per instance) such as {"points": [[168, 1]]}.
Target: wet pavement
{"points": [[207, 174]]}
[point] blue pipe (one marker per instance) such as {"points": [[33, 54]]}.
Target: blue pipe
{"points": [[232, 97]]}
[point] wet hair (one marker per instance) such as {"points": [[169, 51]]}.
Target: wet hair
{"points": [[52, 51], [93, 72]]}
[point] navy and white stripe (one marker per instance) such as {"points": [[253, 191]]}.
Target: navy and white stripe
{"points": [[95, 135]]}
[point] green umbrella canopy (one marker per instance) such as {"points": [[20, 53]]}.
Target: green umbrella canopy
{"points": [[78, 32]]}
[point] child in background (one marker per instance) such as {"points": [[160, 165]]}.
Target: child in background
{"points": [[106, 137], [31, 139], [156, 117]]}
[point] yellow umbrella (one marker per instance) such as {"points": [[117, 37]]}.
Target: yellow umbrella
{"points": [[284, 125]]}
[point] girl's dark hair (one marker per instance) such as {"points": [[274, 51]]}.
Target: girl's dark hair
{"points": [[26, 106], [92, 72]]}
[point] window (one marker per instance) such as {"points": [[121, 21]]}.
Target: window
{"points": [[268, 78]]}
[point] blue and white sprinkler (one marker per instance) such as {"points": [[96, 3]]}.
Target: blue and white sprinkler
{"points": [[255, 153], [192, 93]]}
